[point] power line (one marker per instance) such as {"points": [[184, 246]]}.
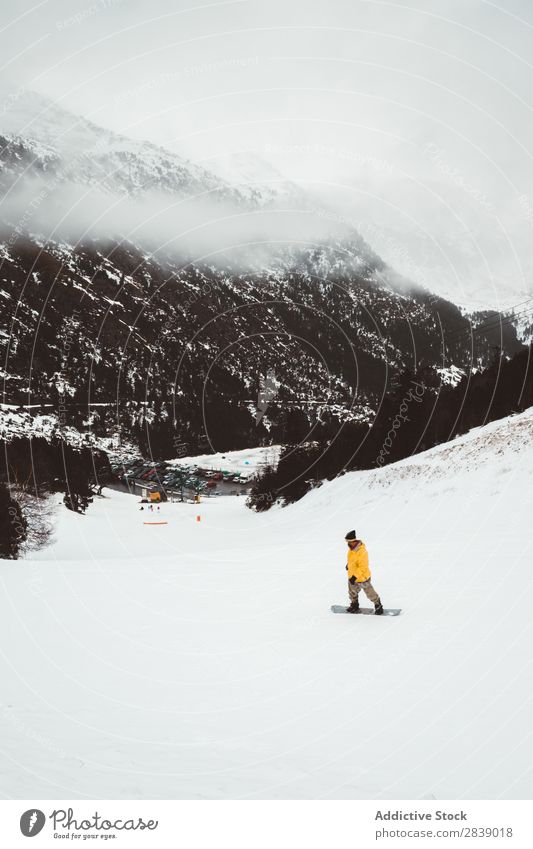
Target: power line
{"points": [[502, 322], [492, 324]]}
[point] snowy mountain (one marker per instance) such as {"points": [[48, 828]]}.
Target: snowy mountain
{"points": [[122, 290], [72, 148], [257, 178], [106, 326], [154, 675]]}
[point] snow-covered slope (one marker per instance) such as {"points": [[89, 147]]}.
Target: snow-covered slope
{"points": [[200, 659], [43, 137], [259, 180]]}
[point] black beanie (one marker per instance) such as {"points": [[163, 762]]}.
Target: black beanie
{"points": [[351, 535]]}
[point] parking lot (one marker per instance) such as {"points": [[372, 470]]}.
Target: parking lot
{"points": [[176, 482]]}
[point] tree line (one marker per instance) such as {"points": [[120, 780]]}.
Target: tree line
{"points": [[35, 468], [416, 413]]}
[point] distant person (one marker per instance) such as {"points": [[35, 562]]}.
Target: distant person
{"points": [[359, 575]]}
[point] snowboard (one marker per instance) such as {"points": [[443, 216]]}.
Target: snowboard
{"points": [[366, 611]]}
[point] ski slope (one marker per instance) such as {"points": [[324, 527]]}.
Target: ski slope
{"points": [[201, 660]]}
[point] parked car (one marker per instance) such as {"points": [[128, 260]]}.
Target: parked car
{"points": [[143, 467], [151, 477], [132, 473], [211, 484], [173, 480]]}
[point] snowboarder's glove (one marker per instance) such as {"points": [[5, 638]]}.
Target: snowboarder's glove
{"points": [[352, 579]]}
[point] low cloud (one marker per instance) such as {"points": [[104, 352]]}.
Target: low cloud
{"points": [[210, 230]]}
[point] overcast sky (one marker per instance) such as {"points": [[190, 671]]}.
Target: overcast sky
{"points": [[414, 120]]}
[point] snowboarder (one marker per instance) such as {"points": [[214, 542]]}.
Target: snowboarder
{"points": [[359, 575]]}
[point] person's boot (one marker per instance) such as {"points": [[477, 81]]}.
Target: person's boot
{"points": [[354, 606], [378, 608]]}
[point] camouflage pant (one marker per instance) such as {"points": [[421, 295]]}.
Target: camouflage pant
{"points": [[355, 589]]}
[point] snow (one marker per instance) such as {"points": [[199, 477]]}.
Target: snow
{"points": [[201, 660], [15, 422], [451, 375], [256, 178], [523, 323], [249, 460]]}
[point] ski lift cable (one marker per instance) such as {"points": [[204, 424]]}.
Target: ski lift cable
{"points": [[510, 315], [503, 322], [493, 322]]}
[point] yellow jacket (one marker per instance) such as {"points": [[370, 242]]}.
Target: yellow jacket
{"points": [[358, 563]]}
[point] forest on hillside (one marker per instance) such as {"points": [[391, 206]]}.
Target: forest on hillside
{"points": [[417, 413]]}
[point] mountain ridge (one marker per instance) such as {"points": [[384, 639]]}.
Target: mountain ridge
{"points": [[181, 344]]}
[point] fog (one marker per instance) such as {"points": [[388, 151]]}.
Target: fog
{"points": [[413, 121], [190, 229]]}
